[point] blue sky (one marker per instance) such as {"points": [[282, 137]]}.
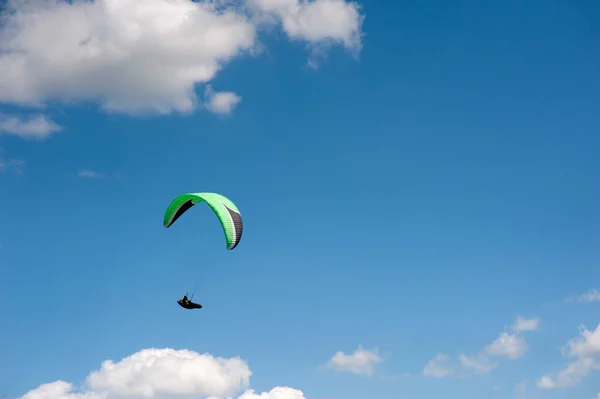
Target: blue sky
{"points": [[415, 180]]}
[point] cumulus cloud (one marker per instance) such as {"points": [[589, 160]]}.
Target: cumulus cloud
{"points": [[59, 390], [507, 345], [513, 345], [90, 174], [321, 23], [164, 373], [438, 367], [361, 361], [221, 102], [314, 21], [155, 373], [590, 296], [275, 393], [588, 344], [140, 56], [586, 351], [36, 127]]}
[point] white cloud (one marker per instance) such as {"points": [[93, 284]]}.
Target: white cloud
{"points": [[155, 373], [478, 364], [508, 345], [222, 102], [139, 56], [316, 21], [11, 165], [511, 346], [36, 127], [90, 174], [438, 367], [569, 376], [164, 373], [362, 361], [322, 23], [58, 390], [522, 324], [590, 296], [275, 393], [586, 345], [586, 350]]}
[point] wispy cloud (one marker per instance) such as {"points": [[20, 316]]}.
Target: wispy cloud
{"points": [[36, 127], [570, 376], [90, 174], [439, 366], [478, 364], [12, 165], [590, 296], [523, 324], [510, 345], [521, 391], [361, 361]]}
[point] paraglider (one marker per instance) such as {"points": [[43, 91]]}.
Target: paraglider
{"points": [[225, 210]]}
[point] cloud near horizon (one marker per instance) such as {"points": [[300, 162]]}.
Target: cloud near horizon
{"points": [[164, 373], [184, 374], [585, 349], [147, 56]]}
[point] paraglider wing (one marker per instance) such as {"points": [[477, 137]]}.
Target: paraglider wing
{"points": [[226, 211]]}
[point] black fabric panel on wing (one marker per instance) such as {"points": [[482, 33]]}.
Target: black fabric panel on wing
{"points": [[186, 205], [236, 218]]}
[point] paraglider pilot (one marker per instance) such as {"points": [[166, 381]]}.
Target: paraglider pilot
{"points": [[187, 304]]}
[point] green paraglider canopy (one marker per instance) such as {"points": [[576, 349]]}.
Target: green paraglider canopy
{"points": [[224, 208]]}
